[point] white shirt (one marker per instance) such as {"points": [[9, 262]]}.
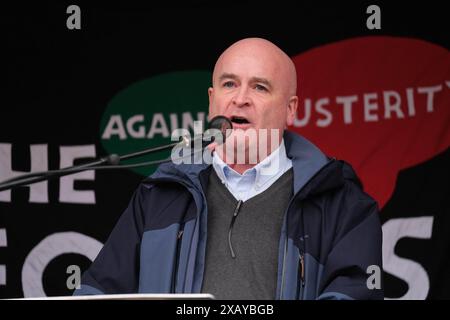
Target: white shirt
{"points": [[254, 180]]}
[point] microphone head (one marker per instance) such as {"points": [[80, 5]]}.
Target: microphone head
{"points": [[113, 159], [223, 124]]}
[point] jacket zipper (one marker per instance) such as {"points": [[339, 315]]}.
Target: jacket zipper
{"points": [[177, 258], [230, 230], [283, 272], [301, 276]]}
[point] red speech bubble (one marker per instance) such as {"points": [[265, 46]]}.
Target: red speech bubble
{"points": [[380, 103]]}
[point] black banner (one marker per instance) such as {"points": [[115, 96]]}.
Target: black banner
{"points": [[85, 80]]}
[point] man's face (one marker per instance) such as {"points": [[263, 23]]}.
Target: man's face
{"points": [[252, 89]]}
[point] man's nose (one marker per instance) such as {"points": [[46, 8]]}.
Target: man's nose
{"points": [[241, 98]]}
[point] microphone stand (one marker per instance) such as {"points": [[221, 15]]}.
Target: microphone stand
{"points": [[109, 162], [112, 161]]}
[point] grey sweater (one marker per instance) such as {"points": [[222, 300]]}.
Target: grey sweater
{"points": [[254, 240]]}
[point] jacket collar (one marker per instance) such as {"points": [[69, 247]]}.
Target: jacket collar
{"points": [[313, 170], [306, 158]]}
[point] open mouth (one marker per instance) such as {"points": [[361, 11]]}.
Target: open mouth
{"points": [[239, 120]]}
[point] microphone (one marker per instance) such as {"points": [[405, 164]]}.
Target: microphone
{"points": [[223, 124], [219, 129], [192, 148]]}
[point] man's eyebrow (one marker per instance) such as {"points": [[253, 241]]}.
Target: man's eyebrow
{"points": [[262, 81], [224, 76], [232, 76]]}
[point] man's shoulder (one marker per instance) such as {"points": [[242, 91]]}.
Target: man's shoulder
{"points": [[353, 185], [157, 194], [346, 196], [162, 187], [351, 205]]}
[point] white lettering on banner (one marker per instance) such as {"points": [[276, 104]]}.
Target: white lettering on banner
{"points": [[158, 126], [3, 243], [139, 133], [173, 121], [368, 107], [134, 127], [67, 193], [328, 116], [347, 103], [305, 120], [388, 104], [188, 121], [114, 128], [430, 95], [410, 271], [410, 97], [39, 162], [48, 249]]}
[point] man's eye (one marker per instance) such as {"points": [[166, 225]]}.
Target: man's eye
{"points": [[260, 87], [228, 84]]}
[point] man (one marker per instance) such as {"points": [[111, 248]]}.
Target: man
{"points": [[292, 224]]}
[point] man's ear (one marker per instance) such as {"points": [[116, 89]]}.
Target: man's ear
{"points": [[210, 97], [292, 110]]}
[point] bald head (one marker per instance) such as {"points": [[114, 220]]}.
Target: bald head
{"points": [[265, 53]]}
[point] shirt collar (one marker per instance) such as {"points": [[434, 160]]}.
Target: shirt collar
{"points": [[261, 173]]}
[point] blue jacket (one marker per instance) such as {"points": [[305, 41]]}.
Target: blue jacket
{"points": [[331, 233]]}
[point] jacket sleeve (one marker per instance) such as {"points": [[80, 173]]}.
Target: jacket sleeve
{"points": [[116, 268], [353, 268]]}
